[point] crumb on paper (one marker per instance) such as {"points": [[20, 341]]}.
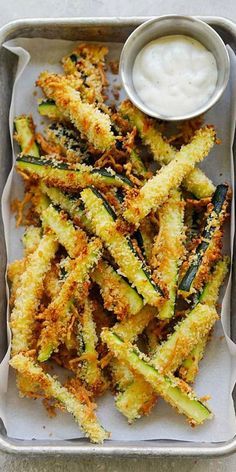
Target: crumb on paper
{"points": [[114, 67]]}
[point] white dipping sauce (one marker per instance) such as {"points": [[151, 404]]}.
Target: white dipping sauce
{"points": [[174, 75]]}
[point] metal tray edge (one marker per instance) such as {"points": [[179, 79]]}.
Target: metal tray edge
{"points": [[143, 449]]}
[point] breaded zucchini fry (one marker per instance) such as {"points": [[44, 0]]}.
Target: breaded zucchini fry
{"points": [[31, 239], [122, 376], [117, 294], [72, 204], [74, 240], [200, 260], [103, 220], [69, 143], [145, 238], [83, 414], [57, 314], [196, 181], [90, 371], [87, 60], [29, 292], [176, 392], [66, 176], [25, 135], [131, 327], [168, 249], [138, 166], [156, 190], [209, 296], [169, 356], [91, 122]]}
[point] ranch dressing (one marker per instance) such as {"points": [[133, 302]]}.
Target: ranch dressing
{"points": [[174, 75]]}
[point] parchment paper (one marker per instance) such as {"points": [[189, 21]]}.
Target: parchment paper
{"points": [[27, 419]]}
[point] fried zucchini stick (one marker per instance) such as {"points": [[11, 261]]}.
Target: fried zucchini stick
{"points": [[92, 123], [168, 358], [88, 61], [208, 248], [25, 135], [196, 181], [155, 191], [29, 293], [90, 370], [67, 176], [103, 220], [68, 142], [55, 316], [209, 296], [117, 294], [30, 239], [73, 239], [83, 414], [176, 392], [168, 249]]}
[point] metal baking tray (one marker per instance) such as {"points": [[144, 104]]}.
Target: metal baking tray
{"points": [[97, 29]]}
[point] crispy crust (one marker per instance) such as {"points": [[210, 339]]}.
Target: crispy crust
{"points": [[92, 123], [156, 190], [29, 292], [196, 182], [164, 386], [114, 290], [74, 240], [77, 404], [90, 371], [168, 357], [90, 67], [57, 315], [213, 252], [117, 244], [168, 249]]}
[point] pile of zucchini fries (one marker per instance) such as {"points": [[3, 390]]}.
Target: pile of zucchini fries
{"points": [[122, 266]]}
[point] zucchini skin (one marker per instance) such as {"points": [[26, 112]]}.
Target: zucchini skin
{"points": [[63, 175], [138, 166], [48, 108], [174, 391], [212, 224], [155, 191], [25, 135], [120, 246], [196, 181]]}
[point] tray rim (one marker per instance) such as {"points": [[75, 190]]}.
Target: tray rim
{"points": [[148, 448]]}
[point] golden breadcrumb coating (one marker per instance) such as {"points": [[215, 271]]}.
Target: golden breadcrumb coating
{"points": [[91, 122]]}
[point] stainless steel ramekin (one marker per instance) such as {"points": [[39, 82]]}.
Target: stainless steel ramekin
{"points": [[170, 25]]}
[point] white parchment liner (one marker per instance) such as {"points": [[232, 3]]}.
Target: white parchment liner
{"points": [[27, 419]]}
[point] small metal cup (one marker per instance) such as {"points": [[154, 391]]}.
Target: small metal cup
{"points": [[170, 25]]}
